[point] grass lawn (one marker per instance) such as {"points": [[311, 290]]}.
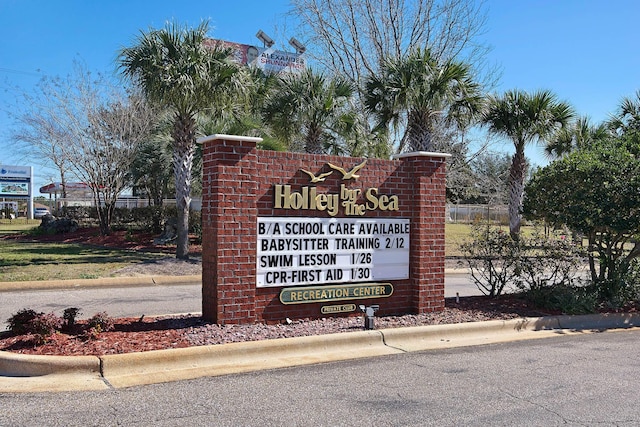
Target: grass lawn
{"points": [[20, 261], [16, 226], [455, 235]]}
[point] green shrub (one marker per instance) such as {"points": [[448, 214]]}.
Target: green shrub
{"points": [[100, 322], [148, 218], [195, 224], [45, 325], [195, 220], [497, 262], [20, 323], [69, 315], [565, 299], [27, 321], [79, 212], [492, 257], [620, 288], [550, 261]]}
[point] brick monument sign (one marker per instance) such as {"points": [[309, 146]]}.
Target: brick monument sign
{"points": [[295, 235]]}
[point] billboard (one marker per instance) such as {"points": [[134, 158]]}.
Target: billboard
{"points": [[268, 60], [14, 188], [15, 181]]}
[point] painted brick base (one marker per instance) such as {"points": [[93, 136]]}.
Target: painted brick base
{"points": [[238, 182]]}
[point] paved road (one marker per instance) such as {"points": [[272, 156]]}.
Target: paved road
{"points": [[461, 284], [148, 300], [117, 302], [578, 380]]}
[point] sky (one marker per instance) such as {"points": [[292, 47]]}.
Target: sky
{"points": [[585, 51]]}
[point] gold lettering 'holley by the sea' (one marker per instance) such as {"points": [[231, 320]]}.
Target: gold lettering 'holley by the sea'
{"points": [[306, 199]]}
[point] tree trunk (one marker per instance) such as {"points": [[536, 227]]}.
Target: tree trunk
{"points": [[63, 184], [592, 260], [516, 192], [104, 221], [313, 142], [419, 132], [183, 149], [105, 215]]}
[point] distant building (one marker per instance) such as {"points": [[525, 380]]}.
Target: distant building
{"points": [[79, 194]]}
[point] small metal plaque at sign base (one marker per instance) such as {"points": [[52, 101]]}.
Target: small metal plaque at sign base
{"points": [[342, 308], [330, 293]]}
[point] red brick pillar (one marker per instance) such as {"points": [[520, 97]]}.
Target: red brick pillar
{"points": [[229, 217], [426, 258]]}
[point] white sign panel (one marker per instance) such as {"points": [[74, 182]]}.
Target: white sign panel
{"points": [[278, 61], [302, 251], [7, 171]]}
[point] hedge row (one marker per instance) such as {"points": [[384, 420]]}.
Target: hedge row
{"points": [[150, 218]]}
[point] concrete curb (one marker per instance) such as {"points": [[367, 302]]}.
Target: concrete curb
{"points": [[431, 337], [113, 282], [34, 373], [477, 333], [22, 373], [125, 370]]}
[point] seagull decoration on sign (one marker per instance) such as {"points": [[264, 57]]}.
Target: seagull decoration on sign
{"points": [[348, 175], [319, 178]]}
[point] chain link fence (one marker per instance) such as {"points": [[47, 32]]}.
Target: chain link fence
{"points": [[467, 214]]}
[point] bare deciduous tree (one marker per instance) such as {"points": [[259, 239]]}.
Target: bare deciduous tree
{"points": [[44, 142], [91, 129], [104, 155], [355, 37]]}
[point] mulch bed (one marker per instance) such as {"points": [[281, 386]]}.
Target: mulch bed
{"points": [[145, 334]]}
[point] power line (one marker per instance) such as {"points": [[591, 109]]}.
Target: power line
{"points": [[27, 73]]}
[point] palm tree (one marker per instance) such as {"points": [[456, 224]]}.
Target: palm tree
{"points": [[179, 69], [309, 107], [246, 117], [627, 118], [580, 134], [417, 91], [524, 118]]}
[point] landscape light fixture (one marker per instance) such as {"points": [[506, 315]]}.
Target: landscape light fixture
{"points": [[268, 41], [297, 45], [369, 315]]}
